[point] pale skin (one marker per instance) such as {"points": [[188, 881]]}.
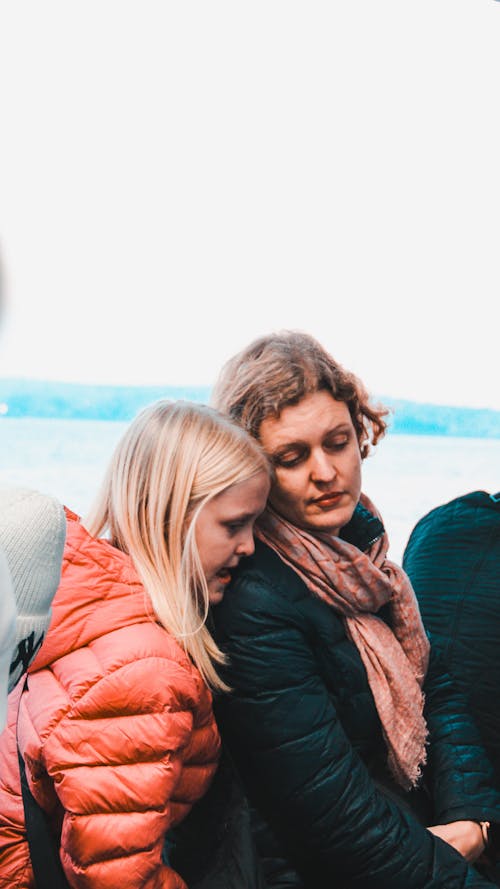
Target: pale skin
{"points": [[465, 836], [224, 531], [315, 453]]}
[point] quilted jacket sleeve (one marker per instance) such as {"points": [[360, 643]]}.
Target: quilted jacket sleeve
{"points": [[127, 761], [460, 774], [300, 767]]}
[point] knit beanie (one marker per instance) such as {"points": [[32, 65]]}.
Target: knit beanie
{"points": [[32, 535], [7, 633]]}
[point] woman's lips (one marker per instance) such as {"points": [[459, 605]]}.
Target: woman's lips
{"points": [[327, 501]]}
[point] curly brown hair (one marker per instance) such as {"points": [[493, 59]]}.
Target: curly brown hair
{"points": [[278, 370]]}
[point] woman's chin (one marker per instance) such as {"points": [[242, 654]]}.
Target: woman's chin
{"points": [[328, 521]]}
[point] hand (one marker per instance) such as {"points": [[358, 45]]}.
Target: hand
{"points": [[465, 836]]}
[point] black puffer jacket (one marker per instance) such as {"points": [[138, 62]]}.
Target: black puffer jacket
{"points": [[453, 559], [305, 734]]}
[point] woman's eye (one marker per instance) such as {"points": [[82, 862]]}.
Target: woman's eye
{"points": [[336, 444], [289, 459]]}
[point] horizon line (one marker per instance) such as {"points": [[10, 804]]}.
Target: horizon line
{"points": [[383, 398]]}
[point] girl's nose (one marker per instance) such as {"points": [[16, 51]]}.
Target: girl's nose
{"points": [[246, 545]]}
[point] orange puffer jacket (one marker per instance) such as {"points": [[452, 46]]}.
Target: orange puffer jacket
{"points": [[116, 730]]}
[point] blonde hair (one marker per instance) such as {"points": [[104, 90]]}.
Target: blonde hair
{"points": [[173, 459], [278, 370]]}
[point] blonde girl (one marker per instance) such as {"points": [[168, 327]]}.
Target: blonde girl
{"points": [[115, 726]]}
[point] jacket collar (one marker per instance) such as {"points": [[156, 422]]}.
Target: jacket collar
{"points": [[363, 529]]}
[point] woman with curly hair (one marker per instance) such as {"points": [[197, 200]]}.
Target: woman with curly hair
{"points": [[362, 765]]}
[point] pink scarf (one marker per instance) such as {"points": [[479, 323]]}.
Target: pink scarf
{"points": [[357, 584]]}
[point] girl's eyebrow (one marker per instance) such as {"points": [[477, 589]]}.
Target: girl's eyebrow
{"points": [[243, 517]]}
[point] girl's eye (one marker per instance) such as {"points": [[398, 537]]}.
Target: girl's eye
{"points": [[234, 527]]}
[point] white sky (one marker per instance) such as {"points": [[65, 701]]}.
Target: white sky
{"points": [[179, 177]]}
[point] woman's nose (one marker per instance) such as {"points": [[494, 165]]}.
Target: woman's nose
{"points": [[322, 467], [246, 545]]}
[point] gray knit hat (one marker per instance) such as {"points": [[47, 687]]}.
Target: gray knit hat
{"points": [[32, 535]]}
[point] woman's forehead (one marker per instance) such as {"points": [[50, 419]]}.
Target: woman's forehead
{"points": [[315, 414]]}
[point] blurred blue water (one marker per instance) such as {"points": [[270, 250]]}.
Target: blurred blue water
{"points": [[407, 476]]}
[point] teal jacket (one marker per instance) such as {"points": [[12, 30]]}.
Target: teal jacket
{"points": [[453, 559]]}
